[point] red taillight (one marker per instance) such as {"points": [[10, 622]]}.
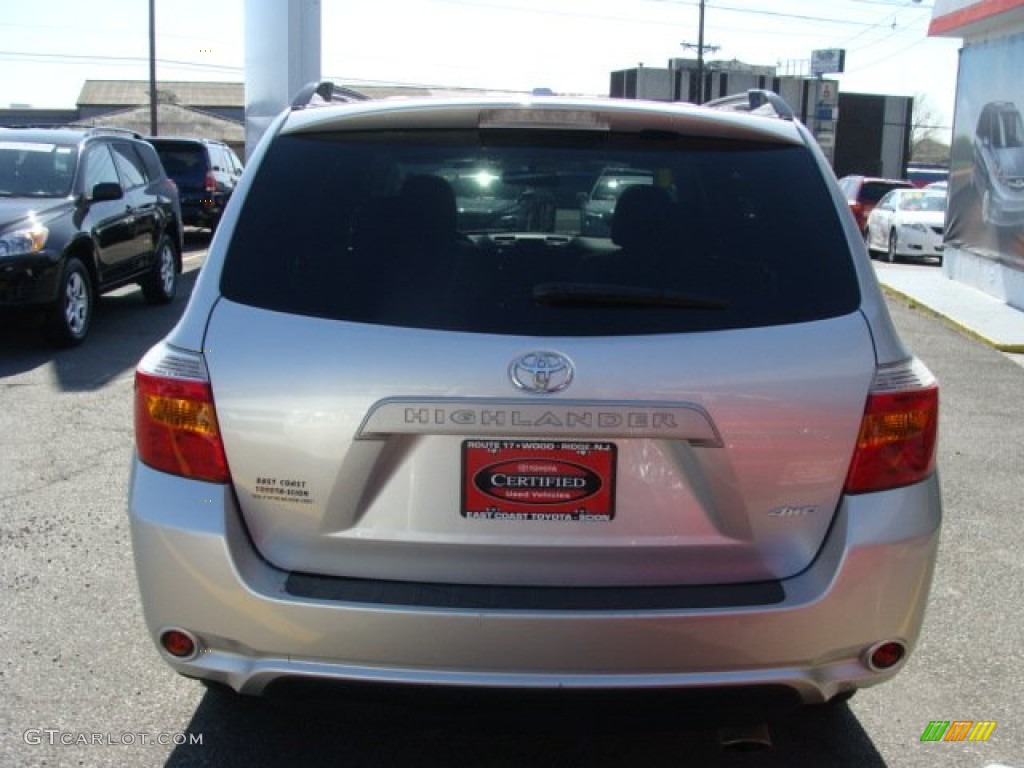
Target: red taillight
{"points": [[898, 434], [176, 427]]}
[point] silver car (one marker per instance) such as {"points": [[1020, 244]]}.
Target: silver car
{"points": [[999, 164], [690, 454]]}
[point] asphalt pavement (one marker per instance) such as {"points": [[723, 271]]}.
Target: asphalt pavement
{"points": [[975, 312]]}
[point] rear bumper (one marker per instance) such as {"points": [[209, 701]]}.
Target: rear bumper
{"points": [[198, 571], [201, 210]]}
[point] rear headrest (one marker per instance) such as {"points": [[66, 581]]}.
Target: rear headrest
{"points": [[428, 202], [643, 215]]}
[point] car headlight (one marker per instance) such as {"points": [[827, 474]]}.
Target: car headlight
{"points": [[916, 226], [21, 242]]}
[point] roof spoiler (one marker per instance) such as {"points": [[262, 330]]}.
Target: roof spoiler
{"points": [[325, 92], [756, 101]]}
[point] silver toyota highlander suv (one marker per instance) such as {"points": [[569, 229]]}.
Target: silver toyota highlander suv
{"points": [[395, 441]]}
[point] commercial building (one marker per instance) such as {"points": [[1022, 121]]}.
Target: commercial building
{"points": [[859, 133], [210, 110]]}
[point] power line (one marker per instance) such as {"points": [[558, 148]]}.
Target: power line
{"points": [[543, 11], [779, 14], [65, 58]]}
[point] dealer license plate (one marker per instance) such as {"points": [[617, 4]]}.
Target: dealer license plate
{"points": [[538, 480]]}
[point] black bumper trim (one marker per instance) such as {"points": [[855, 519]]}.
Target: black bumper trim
{"points": [[512, 598]]}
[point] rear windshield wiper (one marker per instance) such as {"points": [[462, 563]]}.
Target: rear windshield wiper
{"points": [[606, 295]]}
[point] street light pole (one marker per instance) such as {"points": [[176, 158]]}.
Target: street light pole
{"points": [[700, 55], [152, 68]]}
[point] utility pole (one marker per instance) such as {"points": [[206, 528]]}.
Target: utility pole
{"points": [[152, 68], [700, 47]]}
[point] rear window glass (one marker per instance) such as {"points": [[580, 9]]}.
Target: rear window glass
{"points": [[183, 162], [540, 234], [874, 191]]}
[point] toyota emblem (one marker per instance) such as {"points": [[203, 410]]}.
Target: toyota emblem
{"points": [[541, 372]]}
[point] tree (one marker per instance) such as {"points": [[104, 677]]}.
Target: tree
{"points": [[926, 130]]}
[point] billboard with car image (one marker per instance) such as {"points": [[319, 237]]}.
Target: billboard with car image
{"points": [[986, 181]]}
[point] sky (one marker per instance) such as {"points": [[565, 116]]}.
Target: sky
{"points": [[48, 48]]}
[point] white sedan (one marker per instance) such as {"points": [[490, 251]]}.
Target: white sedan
{"points": [[908, 223]]}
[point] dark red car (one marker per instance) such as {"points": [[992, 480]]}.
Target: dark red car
{"points": [[864, 192]]}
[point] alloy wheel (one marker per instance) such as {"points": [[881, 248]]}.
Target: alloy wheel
{"points": [[76, 304]]}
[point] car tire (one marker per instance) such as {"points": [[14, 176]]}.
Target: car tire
{"points": [[161, 285], [890, 253], [69, 318]]}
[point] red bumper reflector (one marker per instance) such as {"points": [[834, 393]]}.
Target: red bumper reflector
{"points": [[177, 643]]}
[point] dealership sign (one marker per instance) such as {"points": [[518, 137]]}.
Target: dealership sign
{"points": [[828, 60]]}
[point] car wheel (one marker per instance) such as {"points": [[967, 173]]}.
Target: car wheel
{"points": [[71, 315], [891, 253], [162, 284]]}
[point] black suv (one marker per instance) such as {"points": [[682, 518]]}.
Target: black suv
{"points": [[206, 173], [82, 212]]}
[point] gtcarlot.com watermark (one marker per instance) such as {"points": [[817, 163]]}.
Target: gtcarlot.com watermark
{"points": [[57, 737]]}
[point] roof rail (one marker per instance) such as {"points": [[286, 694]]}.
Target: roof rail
{"points": [[756, 100], [325, 92], [105, 129], [102, 130]]}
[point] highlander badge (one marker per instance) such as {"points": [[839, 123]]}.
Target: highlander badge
{"points": [[541, 372]]}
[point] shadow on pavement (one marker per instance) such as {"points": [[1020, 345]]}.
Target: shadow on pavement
{"points": [[352, 731], [196, 240], [123, 328]]}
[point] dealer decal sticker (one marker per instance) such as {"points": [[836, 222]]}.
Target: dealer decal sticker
{"points": [[284, 489], [538, 480]]}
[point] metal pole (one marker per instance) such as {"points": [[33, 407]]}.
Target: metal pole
{"points": [[700, 56], [152, 68]]}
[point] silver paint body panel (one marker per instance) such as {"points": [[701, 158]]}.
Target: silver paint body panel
{"points": [[729, 426]]}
